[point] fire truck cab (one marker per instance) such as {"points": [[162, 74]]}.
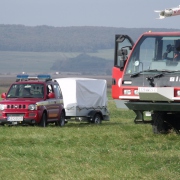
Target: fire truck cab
{"points": [[32, 100], [146, 75]]}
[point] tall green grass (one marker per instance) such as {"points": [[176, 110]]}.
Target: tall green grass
{"points": [[116, 149]]}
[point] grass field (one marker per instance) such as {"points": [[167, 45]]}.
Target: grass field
{"points": [[117, 149]]}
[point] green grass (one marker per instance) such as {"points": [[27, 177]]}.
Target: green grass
{"points": [[117, 149]]}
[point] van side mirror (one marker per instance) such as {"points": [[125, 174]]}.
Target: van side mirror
{"points": [[3, 95], [122, 64], [123, 57], [51, 95], [122, 52]]}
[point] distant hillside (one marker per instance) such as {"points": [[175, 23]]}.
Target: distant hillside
{"points": [[84, 50], [63, 39], [84, 64]]}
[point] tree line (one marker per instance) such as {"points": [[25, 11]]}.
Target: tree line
{"points": [[63, 39], [84, 64]]}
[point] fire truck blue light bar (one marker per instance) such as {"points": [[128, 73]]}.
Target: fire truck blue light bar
{"points": [[22, 76], [44, 76]]}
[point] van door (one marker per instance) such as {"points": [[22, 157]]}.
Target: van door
{"points": [[123, 47]]}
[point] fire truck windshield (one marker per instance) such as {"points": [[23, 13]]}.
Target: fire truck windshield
{"points": [[155, 52], [26, 91]]}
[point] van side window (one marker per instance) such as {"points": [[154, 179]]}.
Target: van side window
{"points": [[49, 89], [57, 91]]}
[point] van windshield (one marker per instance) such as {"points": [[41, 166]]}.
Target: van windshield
{"points": [[155, 52], [26, 91]]}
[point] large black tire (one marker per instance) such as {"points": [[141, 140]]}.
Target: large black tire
{"points": [[61, 121], [43, 122], [159, 124], [97, 119], [173, 123]]}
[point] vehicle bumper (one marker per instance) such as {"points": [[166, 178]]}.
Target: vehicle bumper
{"points": [[140, 107], [29, 121], [153, 106]]}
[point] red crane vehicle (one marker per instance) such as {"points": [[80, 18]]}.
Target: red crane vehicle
{"points": [[146, 76]]}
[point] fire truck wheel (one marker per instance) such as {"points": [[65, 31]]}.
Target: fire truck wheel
{"points": [[97, 119], [43, 121], [61, 121], [159, 126]]}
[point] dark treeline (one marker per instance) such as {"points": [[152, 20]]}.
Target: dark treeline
{"points": [[63, 39], [84, 64]]}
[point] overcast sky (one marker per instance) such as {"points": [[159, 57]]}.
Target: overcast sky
{"points": [[108, 13]]}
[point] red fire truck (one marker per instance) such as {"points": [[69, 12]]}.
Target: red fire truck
{"points": [[146, 76]]}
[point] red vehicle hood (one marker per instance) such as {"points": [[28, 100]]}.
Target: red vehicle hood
{"points": [[20, 100]]}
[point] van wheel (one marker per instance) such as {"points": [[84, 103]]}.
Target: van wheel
{"points": [[61, 121], [43, 121], [159, 125], [97, 119]]}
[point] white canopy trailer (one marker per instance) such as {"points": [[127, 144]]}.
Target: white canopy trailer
{"points": [[85, 99]]}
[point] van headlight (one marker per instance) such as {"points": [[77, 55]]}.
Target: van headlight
{"points": [[32, 107], [178, 93], [136, 92], [2, 107], [127, 91]]}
